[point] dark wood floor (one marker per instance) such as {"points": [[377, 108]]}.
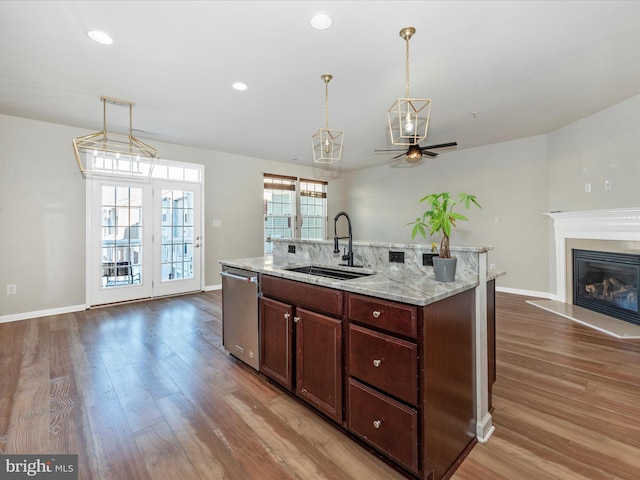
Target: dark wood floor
{"points": [[145, 391]]}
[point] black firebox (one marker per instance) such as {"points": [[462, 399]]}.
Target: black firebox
{"points": [[607, 283]]}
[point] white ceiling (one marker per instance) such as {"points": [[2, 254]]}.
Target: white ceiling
{"points": [[525, 67]]}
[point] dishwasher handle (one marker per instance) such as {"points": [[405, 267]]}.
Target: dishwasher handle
{"points": [[239, 277]]}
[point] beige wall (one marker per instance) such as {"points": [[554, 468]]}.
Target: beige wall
{"points": [[42, 212], [602, 147], [510, 181], [42, 200]]}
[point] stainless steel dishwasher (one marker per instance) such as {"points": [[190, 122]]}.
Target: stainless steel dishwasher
{"points": [[240, 290]]}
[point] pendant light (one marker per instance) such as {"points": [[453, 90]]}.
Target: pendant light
{"points": [[327, 144], [112, 154], [408, 117]]}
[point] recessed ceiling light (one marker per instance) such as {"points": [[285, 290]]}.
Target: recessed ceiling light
{"points": [[320, 21], [239, 86], [100, 37]]}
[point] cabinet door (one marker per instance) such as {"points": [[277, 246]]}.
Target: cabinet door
{"points": [[319, 362], [276, 336]]}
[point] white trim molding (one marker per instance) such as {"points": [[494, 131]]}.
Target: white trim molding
{"points": [[615, 224], [41, 313]]}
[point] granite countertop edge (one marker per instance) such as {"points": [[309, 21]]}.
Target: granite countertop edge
{"points": [[414, 289]]}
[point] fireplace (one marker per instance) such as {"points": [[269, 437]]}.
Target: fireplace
{"points": [[607, 282]]}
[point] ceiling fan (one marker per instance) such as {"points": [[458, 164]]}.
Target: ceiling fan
{"points": [[414, 152]]}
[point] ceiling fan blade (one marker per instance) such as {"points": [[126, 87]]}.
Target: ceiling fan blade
{"points": [[398, 156], [431, 154], [440, 145]]}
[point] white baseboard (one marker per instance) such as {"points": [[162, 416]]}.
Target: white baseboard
{"points": [[41, 313], [528, 293], [209, 288]]}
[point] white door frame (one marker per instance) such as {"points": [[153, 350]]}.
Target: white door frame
{"points": [[188, 176]]}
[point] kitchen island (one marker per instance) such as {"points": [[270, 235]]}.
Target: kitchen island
{"points": [[400, 362]]}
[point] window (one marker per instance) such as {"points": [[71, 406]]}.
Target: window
{"points": [[281, 204], [279, 208], [313, 209]]}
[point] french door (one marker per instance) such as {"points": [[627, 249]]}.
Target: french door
{"points": [[177, 243], [143, 240]]}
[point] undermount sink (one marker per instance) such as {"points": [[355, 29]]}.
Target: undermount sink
{"points": [[334, 273]]}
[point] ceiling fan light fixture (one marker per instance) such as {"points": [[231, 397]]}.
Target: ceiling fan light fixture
{"points": [[414, 153], [408, 117], [327, 143]]}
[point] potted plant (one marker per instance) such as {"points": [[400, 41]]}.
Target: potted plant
{"points": [[440, 218]]}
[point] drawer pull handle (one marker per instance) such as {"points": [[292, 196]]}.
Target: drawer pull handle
{"points": [[376, 314], [286, 316], [376, 363], [296, 319], [377, 423]]}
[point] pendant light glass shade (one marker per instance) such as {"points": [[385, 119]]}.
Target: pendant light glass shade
{"points": [[113, 154], [326, 143], [408, 117]]}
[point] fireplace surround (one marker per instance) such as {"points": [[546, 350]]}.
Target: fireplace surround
{"points": [[617, 231], [612, 230]]}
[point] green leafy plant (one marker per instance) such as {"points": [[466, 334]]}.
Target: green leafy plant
{"points": [[440, 217]]}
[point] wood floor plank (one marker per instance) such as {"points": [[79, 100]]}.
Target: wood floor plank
{"points": [[163, 455], [29, 422], [117, 452], [146, 391], [139, 408], [353, 460], [246, 445], [207, 449]]}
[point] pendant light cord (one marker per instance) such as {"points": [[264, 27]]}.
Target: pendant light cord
{"points": [[326, 104], [406, 93]]}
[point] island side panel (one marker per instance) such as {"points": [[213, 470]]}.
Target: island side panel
{"points": [[447, 375], [491, 337]]}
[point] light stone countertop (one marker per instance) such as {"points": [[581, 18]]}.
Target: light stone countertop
{"points": [[402, 286]]}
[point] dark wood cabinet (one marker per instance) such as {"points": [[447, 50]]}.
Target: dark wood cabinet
{"points": [[319, 361], [386, 362], [298, 336], [385, 423], [383, 383], [276, 341], [410, 386], [404, 373]]}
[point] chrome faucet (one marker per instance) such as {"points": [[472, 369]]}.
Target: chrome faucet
{"points": [[348, 256]]}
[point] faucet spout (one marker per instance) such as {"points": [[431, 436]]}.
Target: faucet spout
{"points": [[336, 249]]}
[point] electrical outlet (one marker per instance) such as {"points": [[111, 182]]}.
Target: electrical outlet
{"points": [[492, 266], [292, 249], [587, 188], [427, 259], [12, 289], [396, 257]]}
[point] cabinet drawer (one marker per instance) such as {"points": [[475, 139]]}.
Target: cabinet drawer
{"points": [[314, 297], [384, 423], [386, 362], [391, 316]]}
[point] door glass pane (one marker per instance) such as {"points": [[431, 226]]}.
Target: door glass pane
{"points": [[177, 234], [121, 233]]}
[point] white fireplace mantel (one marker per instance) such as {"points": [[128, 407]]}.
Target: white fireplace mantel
{"points": [[621, 224]]}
